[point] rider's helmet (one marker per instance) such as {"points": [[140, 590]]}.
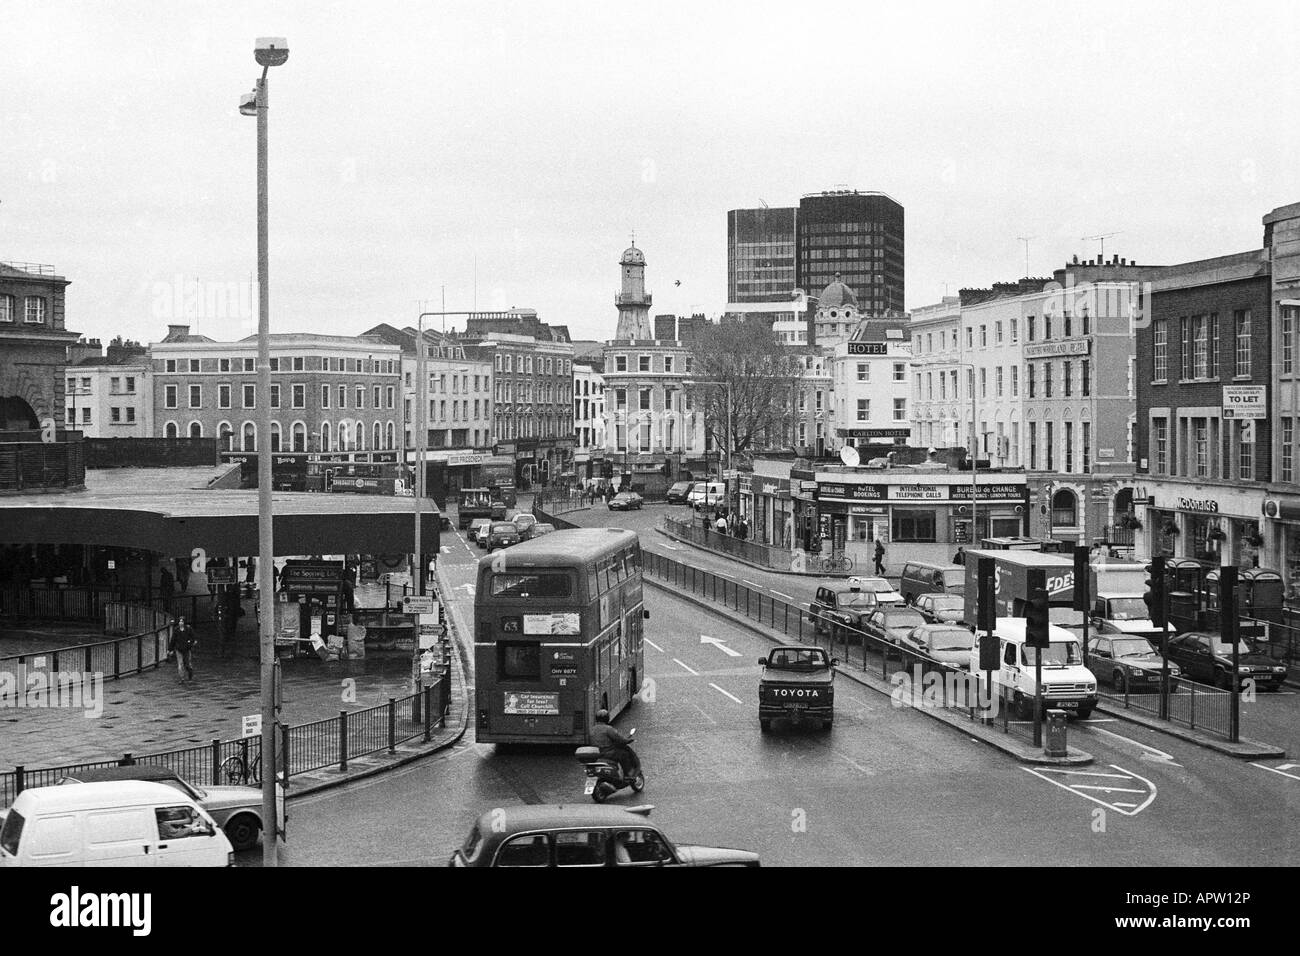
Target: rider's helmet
{"points": [[602, 716]]}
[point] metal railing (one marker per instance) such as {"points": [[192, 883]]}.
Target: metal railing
{"points": [[304, 748], [87, 602], [143, 645], [1192, 705]]}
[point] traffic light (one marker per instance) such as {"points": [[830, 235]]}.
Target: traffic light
{"points": [[1155, 592], [986, 608], [1082, 586], [1036, 610]]}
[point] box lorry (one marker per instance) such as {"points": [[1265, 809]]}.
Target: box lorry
{"points": [[1011, 580]]}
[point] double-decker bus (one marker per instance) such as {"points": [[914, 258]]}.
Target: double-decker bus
{"points": [[558, 635]]}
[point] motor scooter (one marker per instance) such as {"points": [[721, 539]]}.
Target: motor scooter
{"points": [[604, 775]]}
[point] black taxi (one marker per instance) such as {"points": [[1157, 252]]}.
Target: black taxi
{"points": [[842, 603], [582, 835]]}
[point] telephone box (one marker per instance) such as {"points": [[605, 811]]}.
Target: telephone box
{"points": [[315, 589]]}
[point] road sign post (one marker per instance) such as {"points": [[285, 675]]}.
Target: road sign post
{"points": [[1038, 636]]}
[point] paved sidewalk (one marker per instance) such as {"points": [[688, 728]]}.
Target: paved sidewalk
{"points": [[153, 711]]}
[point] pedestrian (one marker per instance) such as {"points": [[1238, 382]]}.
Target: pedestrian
{"points": [[960, 556], [721, 524], [182, 644], [349, 588], [880, 556], [743, 530]]}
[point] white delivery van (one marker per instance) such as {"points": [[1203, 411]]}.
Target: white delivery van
{"points": [[707, 494], [124, 823], [1067, 684]]}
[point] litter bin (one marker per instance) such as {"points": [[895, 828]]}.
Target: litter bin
{"points": [[1055, 743]]}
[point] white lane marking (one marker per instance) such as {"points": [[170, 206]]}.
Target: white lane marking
{"points": [[653, 644], [751, 583], [726, 694], [1128, 809], [1085, 773], [1152, 754], [719, 644], [686, 667], [671, 547], [1280, 770], [1096, 720], [781, 594], [1085, 786]]}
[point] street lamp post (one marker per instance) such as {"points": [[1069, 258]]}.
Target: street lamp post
{"points": [[269, 52], [730, 438]]}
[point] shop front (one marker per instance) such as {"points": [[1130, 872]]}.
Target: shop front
{"points": [[1207, 524]]}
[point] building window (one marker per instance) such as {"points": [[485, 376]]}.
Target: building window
{"points": [[668, 363], [900, 372], [998, 381], [196, 396], [6, 308], [1069, 448], [1086, 458], [1245, 453], [900, 409], [1289, 313], [324, 396], [1069, 325], [1241, 321], [170, 365], [375, 397], [223, 396], [1160, 435], [361, 395], [1288, 449], [913, 526], [643, 363], [1049, 443], [275, 436], [1212, 361], [35, 310], [1015, 381], [343, 396], [194, 365], [275, 396], [297, 363], [1065, 509], [196, 430], [1067, 382], [1201, 446], [1029, 380], [984, 383], [171, 431], [1047, 379], [970, 336], [864, 372], [300, 396], [1047, 327], [1160, 350], [169, 396], [1033, 445], [997, 333], [275, 364], [130, 384], [1085, 377], [864, 409], [250, 396], [85, 416], [250, 437]]}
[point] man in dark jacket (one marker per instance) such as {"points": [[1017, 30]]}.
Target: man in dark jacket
{"points": [[614, 745], [182, 645]]}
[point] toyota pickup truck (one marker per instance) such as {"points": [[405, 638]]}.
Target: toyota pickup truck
{"points": [[797, 683]]}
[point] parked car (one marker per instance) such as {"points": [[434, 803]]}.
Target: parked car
{"points": [[941, 608], [524, 522], [626, 501], [677, 493], [1128, 663], [706, 494], [478, 531], [892, 624], [539, 529], [502, 535], [579, 835], [885, 592], [1207, 658], [841, 604], [237, 809], [797, 682], [948, 643]]}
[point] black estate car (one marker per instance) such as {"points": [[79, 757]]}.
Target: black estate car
{"points": [[1207, 658]]}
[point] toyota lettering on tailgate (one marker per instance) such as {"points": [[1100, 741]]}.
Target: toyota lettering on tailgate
{"points": [[795, 692]]}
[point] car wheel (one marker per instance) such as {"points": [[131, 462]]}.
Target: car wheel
{"points": [[764, 725], [242, 831], [638, 783], [1121, 685], [598, 795], [1085, 713]]}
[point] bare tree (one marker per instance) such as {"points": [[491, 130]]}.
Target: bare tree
{"points": [[762, 374]]}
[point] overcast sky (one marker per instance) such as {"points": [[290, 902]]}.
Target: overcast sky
{"points": [[422, 145]]}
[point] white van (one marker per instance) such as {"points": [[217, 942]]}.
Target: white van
{"points": [[124, 823], [707, 494], [1067, 684]]}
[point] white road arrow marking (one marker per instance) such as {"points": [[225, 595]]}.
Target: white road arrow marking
{"points": [[446, 550], [1280, 769], [1127, 808], [719, 644], [1151, 753]]}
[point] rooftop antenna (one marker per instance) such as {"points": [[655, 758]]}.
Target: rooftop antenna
{"points": [[1025, 240], [1102, 239]]}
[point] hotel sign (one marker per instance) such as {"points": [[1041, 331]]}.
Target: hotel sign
{"points": [[1049, 349], [1245, 401], [868, 348], [851, 492]]}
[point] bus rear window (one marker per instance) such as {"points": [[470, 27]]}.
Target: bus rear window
{"points": [[543, 584], [518, 661]]}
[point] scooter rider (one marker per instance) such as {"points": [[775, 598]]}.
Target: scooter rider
{"points": [[614, 745]]}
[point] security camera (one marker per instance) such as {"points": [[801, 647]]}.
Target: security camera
{"points": [[271, 51]]}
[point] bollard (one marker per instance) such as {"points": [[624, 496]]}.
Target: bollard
{"points": [[216, 762], [343, 740], [1055, 744], [392, 725], [428, 713]]}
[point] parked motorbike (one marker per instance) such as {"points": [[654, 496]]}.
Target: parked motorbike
{"points": [[604, 775]]}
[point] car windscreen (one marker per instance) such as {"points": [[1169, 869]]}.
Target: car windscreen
{"points": [[856, 599], [1058, 655], [788, 658], [1128, 609], [1133, 647], [951, 639], [505, 527], [1224, 648], [544, 584], [903, 620], [948, 603]]}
